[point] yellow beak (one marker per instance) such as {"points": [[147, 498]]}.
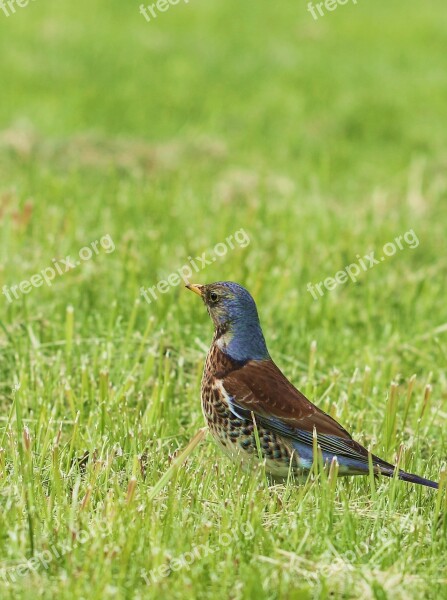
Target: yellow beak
{"points": [[195, 287]]}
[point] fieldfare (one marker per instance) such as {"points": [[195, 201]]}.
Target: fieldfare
{"points": [[244, 391]]}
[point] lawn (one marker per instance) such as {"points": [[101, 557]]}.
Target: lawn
{"points": [[288, 150]]}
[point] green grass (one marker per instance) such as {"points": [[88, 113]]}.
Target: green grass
{"points": [[323, 141]]}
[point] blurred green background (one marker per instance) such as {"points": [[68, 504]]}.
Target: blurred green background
{"points": [[322, 139]]}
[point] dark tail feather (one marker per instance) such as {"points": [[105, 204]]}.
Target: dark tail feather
{"points": [[414, 479], [388, 470]]}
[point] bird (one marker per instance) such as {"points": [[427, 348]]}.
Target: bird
{"points": [[254, 412]]}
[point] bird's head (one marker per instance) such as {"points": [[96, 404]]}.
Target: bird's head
{"points": [[235, 318]]}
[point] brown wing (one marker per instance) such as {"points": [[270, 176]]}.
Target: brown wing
{"points": [[260, 387]]}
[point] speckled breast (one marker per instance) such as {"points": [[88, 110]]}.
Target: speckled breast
{"points": [[234, 435]]}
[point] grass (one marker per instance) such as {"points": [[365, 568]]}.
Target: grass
{"points": [[323, 141]]}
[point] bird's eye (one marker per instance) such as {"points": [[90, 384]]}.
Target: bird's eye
{"points": [[214, 297]]}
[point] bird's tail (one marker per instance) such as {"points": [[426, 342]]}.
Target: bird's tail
{"points": [[388, 470], [404, 476], [416, 479]]}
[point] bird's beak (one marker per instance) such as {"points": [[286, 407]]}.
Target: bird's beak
{"points": [[195, 287]]}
